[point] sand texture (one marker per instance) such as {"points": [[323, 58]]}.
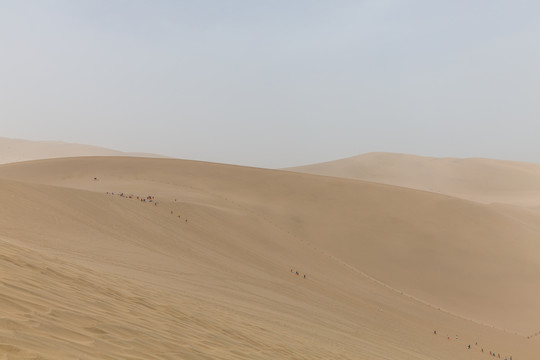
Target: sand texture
{"points": [[476, 179], [205, 267], [16, 150]]}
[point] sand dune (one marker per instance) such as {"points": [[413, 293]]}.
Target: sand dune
{"points": [[86, 274], [16, 150], [483, 180]]}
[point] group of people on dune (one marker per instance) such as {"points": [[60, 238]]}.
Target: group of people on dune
{"points": [[491, 353], [297, 273], [148, 198]]}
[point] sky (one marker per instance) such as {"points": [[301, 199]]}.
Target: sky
{"points": [[274, 83]]}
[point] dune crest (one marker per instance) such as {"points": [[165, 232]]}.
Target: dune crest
{"points": [[482, 180], [17, 150], [207, 268]]}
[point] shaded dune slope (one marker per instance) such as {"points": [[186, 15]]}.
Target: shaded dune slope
{"points": [[16, 150], [482, 180], [219, 284]]}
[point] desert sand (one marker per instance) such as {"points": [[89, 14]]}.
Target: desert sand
{"points": [[207, 269], [476, 179], [16, 150]]}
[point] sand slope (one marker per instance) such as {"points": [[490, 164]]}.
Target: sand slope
{"points": [[93, 275], [483, 180], [15, 150]]}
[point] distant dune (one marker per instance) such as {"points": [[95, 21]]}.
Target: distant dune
{"points": [[15, 150], [482, 180], [207, 269]]}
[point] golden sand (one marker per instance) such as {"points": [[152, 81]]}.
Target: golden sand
{"points": [[207, 269]]}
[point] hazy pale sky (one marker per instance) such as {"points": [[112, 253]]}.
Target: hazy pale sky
{"points": [[275, 83]]}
